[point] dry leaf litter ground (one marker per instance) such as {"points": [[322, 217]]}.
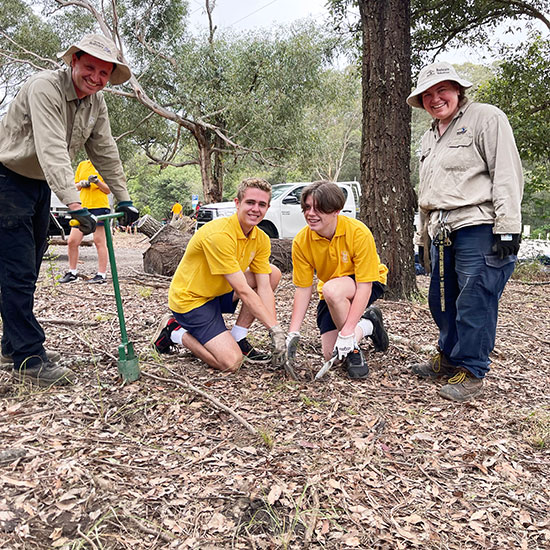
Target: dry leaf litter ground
{"points": [[382, 463]]}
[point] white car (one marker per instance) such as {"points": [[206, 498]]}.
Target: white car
{"points": [[284, 216]]}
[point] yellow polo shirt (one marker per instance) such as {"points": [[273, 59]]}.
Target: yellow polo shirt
{"points": [[351, 251], [218, 248], [93, 196]]}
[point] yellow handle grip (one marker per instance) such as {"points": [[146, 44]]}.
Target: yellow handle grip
{"points": [[74, 223]]}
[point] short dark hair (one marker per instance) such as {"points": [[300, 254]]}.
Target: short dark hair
{"points": [[253, 183], [327, 196]]}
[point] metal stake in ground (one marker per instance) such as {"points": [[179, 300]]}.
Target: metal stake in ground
{"points": [[128, 364]]}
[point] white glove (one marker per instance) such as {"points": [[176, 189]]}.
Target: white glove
{"points": [[344, 345], [292, 340]]}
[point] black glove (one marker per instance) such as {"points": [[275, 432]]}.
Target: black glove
{"points": [[131, 213], [83, 220], [506, 245]]}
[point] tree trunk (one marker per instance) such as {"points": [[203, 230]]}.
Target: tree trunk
{"points": [[388, 200], [212, 192]]}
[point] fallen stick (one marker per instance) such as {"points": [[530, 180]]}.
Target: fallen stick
{"points": [[208, 397], [419, 348], [69, 322]]}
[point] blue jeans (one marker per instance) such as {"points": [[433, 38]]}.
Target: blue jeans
{"points": [[474, 279], [24, 220]]}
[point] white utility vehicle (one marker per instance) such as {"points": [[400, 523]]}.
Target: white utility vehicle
{"points": [[284, 216]]}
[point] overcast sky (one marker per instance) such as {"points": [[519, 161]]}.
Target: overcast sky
{"points": [[248, 14], [240, 15]]}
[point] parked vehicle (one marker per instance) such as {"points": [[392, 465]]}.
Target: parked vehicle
{"points": [[284, 216], [59, 219]]}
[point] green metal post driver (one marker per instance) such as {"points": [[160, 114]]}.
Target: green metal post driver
{"points": [[128, 364]]}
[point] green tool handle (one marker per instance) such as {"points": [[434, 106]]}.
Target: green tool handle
{"points": [[114, 274]]}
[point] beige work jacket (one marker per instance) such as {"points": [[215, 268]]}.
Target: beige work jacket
{"points": [[46, 125], [472, 174]]}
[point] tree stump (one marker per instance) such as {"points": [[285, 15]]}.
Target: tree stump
{"points": [[281, 254], [148, 225], [166, 250], [168, 245]]}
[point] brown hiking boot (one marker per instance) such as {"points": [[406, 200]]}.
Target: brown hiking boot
{"points": [[45, 374], [436, 367], [462, 386]]}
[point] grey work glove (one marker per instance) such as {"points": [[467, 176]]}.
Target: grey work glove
{"points": [[83, 220], [292, 341], [278, 345], [83, 184]]}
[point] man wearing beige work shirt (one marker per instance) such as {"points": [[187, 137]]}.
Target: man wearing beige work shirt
{"points": [[54, 115]]}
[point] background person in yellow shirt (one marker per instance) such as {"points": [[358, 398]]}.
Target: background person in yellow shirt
{"points": [[94, 195], [226, 260], [342, 252], [176, 210]]}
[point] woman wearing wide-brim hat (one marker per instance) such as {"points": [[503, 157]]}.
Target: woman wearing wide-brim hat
{"points": [[469, 197]]}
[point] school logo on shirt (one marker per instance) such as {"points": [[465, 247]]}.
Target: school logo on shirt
{"points": [[345, 256]]}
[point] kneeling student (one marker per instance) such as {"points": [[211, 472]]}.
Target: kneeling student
{"points": [[226, 260], [342, 252]]}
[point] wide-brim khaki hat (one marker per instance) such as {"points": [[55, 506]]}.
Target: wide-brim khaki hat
{"points": [[431, 75], [103, 48]]}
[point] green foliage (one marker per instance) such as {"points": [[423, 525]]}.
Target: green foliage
{"points": [[520, 89], [156, 190]]}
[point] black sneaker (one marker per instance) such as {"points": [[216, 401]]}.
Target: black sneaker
{"points": [[379, 335], [356, 365], [98, 279], [44, 374], [250, 354], [161, 340], [68, 278]]}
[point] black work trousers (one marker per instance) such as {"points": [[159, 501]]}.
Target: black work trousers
{"points": [[24, 220]]}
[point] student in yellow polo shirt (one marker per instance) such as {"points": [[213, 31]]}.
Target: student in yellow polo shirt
{"points": [[94, 195], [342, 252], [226, 260]]}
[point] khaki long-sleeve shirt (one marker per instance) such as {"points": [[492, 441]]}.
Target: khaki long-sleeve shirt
{"points": [[46, 125], [472, 173]]}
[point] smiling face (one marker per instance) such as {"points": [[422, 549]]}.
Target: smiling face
{"points": [[90, 74], [441, 100], [251, 208], [322, 223]]}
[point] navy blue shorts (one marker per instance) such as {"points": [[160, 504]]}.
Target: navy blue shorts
{"points": [[100, 212], [324, 320], [206, 322]]}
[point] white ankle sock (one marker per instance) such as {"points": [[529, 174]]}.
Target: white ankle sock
{"points": [[102, 274], [366, 326], [238, 333], [177, 335], [73, 271]]}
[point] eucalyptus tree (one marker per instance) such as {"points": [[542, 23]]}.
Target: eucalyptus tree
{"points": [[231, 95]]}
